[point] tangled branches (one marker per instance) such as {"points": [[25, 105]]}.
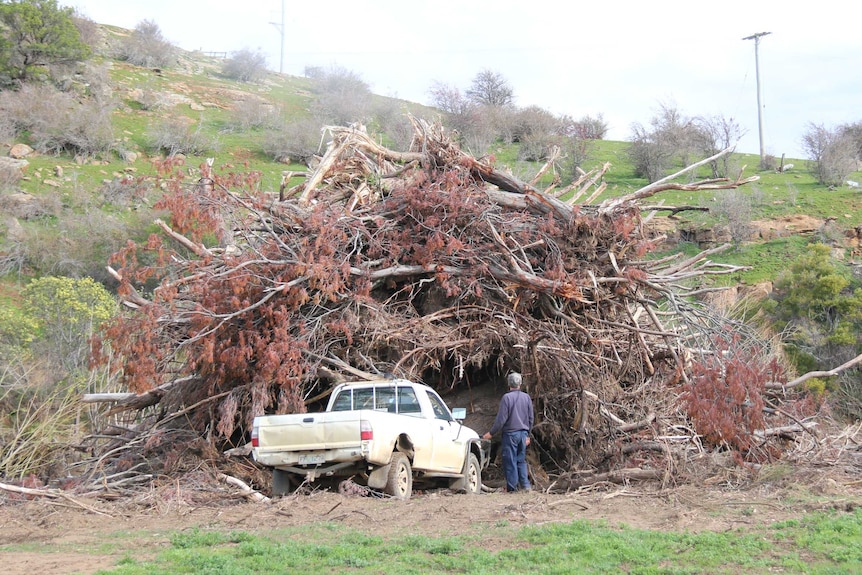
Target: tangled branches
{"points": [[428, 264]]}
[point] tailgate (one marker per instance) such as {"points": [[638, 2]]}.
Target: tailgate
{"points": [[308, 431]]}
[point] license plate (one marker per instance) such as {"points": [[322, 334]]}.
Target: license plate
{"points": [[311, 459]]}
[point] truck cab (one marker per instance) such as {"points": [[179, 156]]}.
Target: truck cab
{"points": [[385, 433]]}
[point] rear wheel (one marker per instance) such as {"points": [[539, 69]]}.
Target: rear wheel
{"points": [[399, 482], [473, 475], [282, 483]]}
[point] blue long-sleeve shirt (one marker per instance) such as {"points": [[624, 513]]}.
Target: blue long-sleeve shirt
{"points": [[515, 413]]}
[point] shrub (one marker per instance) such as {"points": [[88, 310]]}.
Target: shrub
{"points": [[734, 208], [34, 35], [125, 191], [13, 258], [253, 113], [296, 142], [650, 155], [536, 147], [575, 154], [7, 130], [672, 139], [819, 309], [534, 123], [147, 47], [17, 329], [174, 136], [832, 151], [341, 97], [69, 312], [725, 396], [11, 172], [88, 30], [96, 82], [39, 426], [149, 98], [394, 123], [245, 65], [587, 128], [853, 131], [31, 207], [847, 398], [57, 121], [714, 134]]}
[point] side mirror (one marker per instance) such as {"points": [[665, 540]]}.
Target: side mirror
{"points": [[459, 413]]}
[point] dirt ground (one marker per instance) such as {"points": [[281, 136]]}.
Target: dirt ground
{"points": [[77, 531], [77, 535]]}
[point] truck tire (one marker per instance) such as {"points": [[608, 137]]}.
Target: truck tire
{"points": [[473, 475], [399, 482], [281, 482]]}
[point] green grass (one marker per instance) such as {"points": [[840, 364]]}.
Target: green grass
{"points": [[821, 543]]}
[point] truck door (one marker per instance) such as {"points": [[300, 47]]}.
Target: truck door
{"points": [[417, 426], [448, 447]]}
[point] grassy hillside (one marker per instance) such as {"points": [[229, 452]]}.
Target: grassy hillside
{"points": [[86, 211]]}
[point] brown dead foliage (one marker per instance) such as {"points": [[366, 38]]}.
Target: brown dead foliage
{"points": [[431, 265]]}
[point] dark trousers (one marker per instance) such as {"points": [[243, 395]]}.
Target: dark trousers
{"points": [[514, 450]]}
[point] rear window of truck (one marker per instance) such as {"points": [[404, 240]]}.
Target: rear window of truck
{"points": [[391, 399]]}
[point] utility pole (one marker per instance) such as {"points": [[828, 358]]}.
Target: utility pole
{"points": [[756, 38], [282, 30]]}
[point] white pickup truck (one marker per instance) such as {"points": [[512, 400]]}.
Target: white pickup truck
{"points": [[384, 433]]}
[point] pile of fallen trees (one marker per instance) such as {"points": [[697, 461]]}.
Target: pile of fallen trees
{"points": [[435, 266]]}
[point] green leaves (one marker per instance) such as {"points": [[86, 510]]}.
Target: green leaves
{"points": [[817, 290], [36, 34], [68, 312]]}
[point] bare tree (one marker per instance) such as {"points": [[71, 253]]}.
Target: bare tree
{"points": [[342, 97], [491, 89], [832, 151], [534, 121], [713, 134], [586, 128], [245, 65], [650, 154], [854, 132], [672, 139], [458, 112], [147, 47], [537, 130], [448, 99]]}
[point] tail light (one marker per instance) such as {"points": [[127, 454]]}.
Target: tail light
{"points": [[365, 431], [254, 438]]}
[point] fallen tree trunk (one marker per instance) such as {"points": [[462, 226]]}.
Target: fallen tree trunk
{"points": [[427, 264], [619, 476]]}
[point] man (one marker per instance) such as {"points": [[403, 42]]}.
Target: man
{"points": [[515, 420]]}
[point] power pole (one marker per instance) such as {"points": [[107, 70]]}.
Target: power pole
{"points": [[282, 30], [756, 38]]}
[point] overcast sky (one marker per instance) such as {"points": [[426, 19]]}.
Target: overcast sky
{"points": [[621, 59]]}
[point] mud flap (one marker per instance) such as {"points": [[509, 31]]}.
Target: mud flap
{"points": [[377, 478], [460, 484]]}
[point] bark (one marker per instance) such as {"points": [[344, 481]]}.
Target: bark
{"points": [[426, 264]]}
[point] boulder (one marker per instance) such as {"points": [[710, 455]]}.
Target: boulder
{"points": [[19, 151], [9, 164]]}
